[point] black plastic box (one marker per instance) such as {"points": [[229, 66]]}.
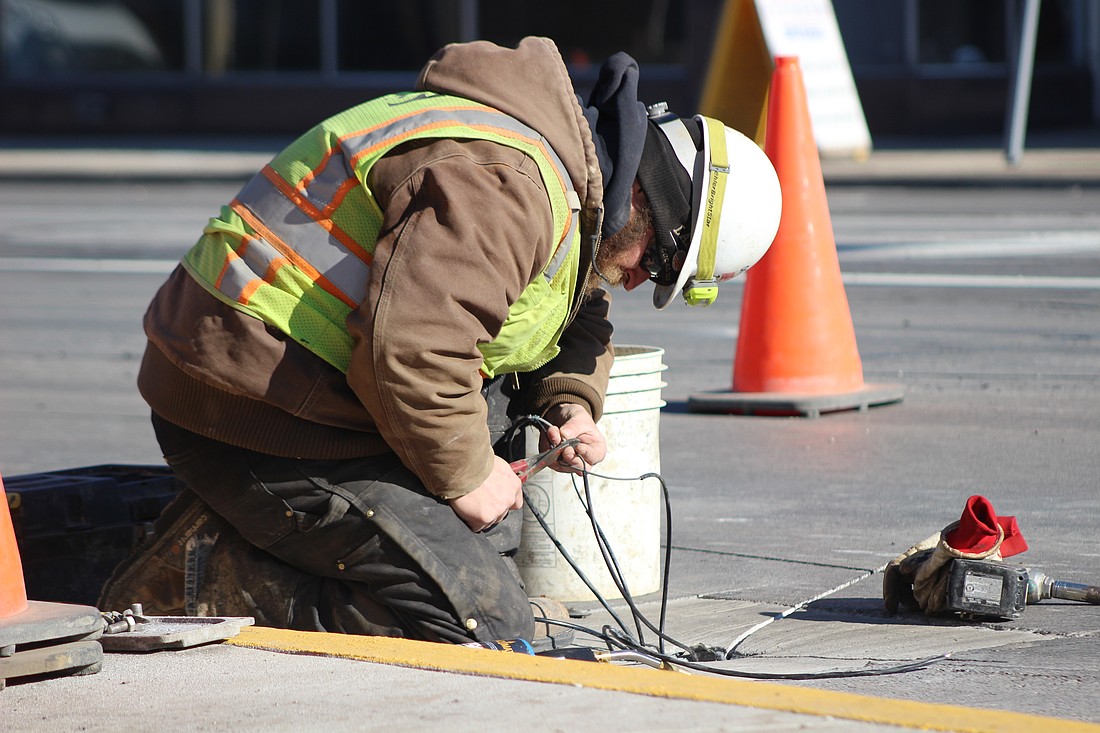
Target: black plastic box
{"points": [[74, 526]]}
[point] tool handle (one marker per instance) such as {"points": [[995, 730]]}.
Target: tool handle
{"points": [[522, 469]]}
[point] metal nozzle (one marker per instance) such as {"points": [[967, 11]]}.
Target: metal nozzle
{"points": [[1040, 587]]}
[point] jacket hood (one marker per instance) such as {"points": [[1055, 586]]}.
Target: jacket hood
{"points": [[531, 83]]}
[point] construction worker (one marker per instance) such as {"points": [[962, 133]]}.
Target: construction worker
{"points": [[325, 366]]}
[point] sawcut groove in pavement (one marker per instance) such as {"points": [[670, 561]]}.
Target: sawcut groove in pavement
{"points": [[750, 556], [463, 660]]}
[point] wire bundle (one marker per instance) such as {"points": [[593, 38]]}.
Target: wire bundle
{"points": [[690, 657]]}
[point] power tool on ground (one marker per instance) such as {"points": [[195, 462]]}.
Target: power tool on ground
{"points": [[997, 590]]}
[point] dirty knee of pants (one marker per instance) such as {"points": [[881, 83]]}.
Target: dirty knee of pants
{"points": [[369, 528]]}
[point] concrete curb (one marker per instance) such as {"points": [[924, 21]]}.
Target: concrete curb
{"points": [[969, 167], [644, 681]]}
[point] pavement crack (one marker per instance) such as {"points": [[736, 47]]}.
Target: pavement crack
{"points": [[750, 556]]}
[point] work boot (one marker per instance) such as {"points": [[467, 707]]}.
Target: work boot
{"points": [[549, 635], [240, 579], [165, 572]]}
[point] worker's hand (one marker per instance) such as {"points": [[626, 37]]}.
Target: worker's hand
{"points": [[570, 420], [488, 504]]}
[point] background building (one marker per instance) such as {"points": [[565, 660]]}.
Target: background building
{"points": [[274, 67]]}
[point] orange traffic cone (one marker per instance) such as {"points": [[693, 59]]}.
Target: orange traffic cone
{"points": [[13, 591], [37, 637], [796, 351]]}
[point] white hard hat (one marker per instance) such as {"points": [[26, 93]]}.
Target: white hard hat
{"points": [[734, 208]]}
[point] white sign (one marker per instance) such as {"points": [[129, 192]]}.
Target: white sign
{"points": [[808, 29]]}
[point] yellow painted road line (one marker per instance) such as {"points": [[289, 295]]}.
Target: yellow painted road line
{"points": [[655, 683]]}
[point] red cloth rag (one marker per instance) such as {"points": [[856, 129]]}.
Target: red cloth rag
{"points": [[977, 530]]}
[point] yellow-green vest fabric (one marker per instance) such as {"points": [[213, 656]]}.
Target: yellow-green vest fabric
{"points": [[295, 247]]}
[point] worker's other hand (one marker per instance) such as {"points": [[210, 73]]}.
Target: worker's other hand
{"points": [[570, 420], [488, 504]]}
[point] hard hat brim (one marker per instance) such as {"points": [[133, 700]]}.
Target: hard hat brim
{"points": [[663, 295]]}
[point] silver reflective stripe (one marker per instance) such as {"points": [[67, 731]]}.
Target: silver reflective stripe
{"points": [[324, 252], [357, 145], [327, 182], [332, 258], [241, 271], [563, 249]]}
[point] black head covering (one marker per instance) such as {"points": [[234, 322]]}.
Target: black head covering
{"points": [[668, 187], [618, 122]]}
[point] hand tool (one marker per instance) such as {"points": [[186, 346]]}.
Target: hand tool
{"points": [[528, 467]]}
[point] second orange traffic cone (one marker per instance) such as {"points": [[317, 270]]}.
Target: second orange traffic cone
{"points": [[13, 590], [40, 637], [796, 350]]}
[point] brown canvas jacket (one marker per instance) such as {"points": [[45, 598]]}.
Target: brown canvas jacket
{"points": [[467, 225]]}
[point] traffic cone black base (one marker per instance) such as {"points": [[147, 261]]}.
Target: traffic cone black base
{"points": [[791, 405], [50, 638], [37, 637]]}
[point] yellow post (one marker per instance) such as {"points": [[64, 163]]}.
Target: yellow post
{"points": [[736, 88]]}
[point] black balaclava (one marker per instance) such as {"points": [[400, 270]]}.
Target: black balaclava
{"points": [[668, 187], [618, 123]]}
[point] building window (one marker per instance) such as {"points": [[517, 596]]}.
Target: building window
{"points": [[64, 37]]}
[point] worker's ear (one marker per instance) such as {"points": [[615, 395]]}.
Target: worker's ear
{"points": [[637, 196]]}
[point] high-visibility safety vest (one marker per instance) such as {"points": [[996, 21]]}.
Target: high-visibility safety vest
{"points": [[294, 248]]}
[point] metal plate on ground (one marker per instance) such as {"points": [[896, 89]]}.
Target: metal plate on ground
{"points": [[174, 632]]}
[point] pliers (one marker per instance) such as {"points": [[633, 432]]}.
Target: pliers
{"points": [[528, 467]]}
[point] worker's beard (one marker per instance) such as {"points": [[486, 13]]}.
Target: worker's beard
{"points": [[612, 247]]}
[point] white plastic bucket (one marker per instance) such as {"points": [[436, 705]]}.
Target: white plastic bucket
{"points": [[629, 512]]}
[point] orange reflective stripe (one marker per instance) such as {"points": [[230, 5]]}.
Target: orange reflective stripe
{"points": [[348, 184], [320, 221], [312, 175], [232, 255], [249, 290], [391, 141], [307, 269], [345, 188], [319, 216]]}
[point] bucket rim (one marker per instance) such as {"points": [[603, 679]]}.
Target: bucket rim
{"points": [[636, 351]]}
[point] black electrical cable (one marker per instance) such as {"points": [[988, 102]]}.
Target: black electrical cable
{"points": [[610, 559], [622, 637], [638, 615], [576, 627], [612, 639], [542, 425], [569, 559], [835, 674]]}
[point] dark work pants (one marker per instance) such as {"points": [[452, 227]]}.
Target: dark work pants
{"points": [[375, 540]]}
